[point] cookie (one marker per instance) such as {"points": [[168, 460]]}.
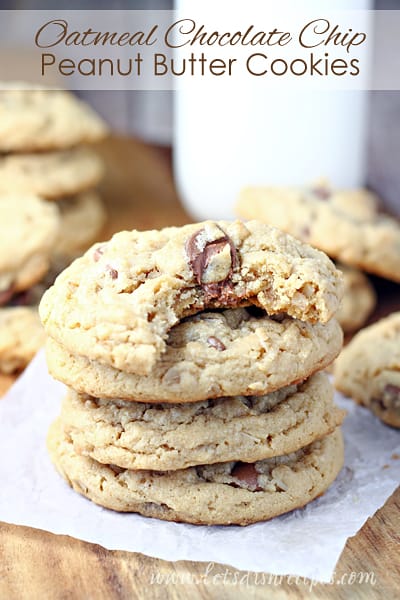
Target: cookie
{"points": [[28, 231], [221, 494], [368, 369], [35, 118], [21, 336], [163, 437], [358, 302], [210, 355], [51, 174], [345, 225], [117, 303], [82, 219], [32, 296], [21, 332]]}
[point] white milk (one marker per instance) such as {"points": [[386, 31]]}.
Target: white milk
{"points": [[226, 139]]}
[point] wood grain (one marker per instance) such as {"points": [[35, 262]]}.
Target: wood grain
{"points": [[139, 192]]}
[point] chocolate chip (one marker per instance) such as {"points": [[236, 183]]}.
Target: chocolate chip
{"points": [[305, 232], [258, 313], [392, 392], [112, 272], [321, 192], [6, 295], [247, 473], [201, 252], [98, 253], [390, 398], [22, 299], [117, 470], [220, 294], [247, 401], [216, 343]]}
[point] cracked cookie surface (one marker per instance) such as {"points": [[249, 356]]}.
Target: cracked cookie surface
{"points": [[28, 230], [34, 118], [368, 369], [221, 494], [118, 302], [50, 174], [162, 437], [209, 355], [345, 225]]}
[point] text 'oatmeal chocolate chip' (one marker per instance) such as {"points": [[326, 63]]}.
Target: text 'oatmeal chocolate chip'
{"points": [[216, 343], [212, 255], [247, 473]]}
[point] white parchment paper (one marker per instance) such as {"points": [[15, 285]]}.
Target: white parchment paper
{"points": [[306, 542]]}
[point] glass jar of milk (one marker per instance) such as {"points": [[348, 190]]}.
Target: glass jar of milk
{"points": [[226, 139]]}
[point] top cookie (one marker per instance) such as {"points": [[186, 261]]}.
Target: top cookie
{"points": [[28, 230], [36, 118], [117, 303], [345, 225]]}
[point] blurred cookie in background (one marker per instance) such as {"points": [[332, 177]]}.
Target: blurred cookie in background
{"points": [[347, 225], [51, 174], [29, 227], [82, 219], [49, 209], [368, 369], [21, 336], [358, 302], [34, 118]]}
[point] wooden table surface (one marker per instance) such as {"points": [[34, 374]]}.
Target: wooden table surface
{"points": [[139, 192]]}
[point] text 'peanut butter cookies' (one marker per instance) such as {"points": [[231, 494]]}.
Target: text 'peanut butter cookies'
{"points": [[163, 437], [117, 303], [345, 225], [21, 336], [368, 369], [28, 231], [209, 355], [35, 118], [220, 494], [50, 174]]}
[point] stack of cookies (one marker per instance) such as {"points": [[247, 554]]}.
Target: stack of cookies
{"points": [[193, 361], [43, 137], [49, 209], [347, 225]]}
